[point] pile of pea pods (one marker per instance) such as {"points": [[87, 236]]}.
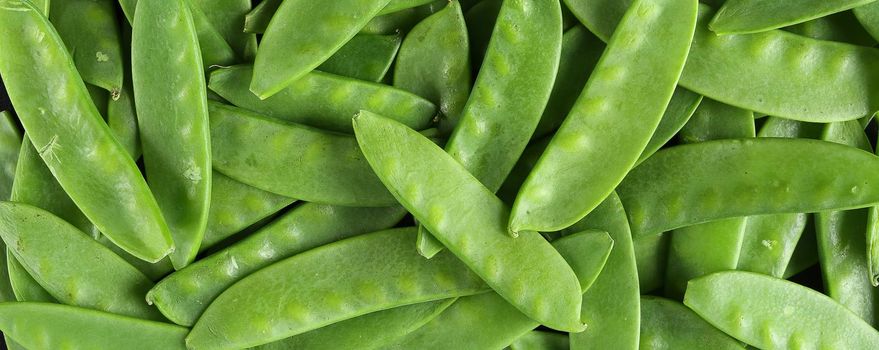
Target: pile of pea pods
{"points": [[439, 174]]}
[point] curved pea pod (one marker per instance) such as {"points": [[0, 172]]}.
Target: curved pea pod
{"points": [[370, 331], [6, 290], [380, 271], [575, 174], [656, 193], [434, 62], [459, 326], [651, 258], [323, 100], [45, 244], [24, 286], [53, 104], [667, 324], [122, 120], [235, 206], [53, 326], [398, 5], [481, 19], [92, 34], [541, 340], [868, 16], [680, 109], [842, 27], [365, 57], [327, 167], [10, 145], [227, 17], [184, 295], [769, 243], [303, 34], [771, 313], [259, 17], [716, 121], [753, 16], [434, 190], [172, 113], [401, 21]]}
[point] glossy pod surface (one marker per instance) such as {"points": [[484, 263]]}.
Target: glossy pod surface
{"points": [[667, 324], [365, 57], [90, 31], [752, 16]]}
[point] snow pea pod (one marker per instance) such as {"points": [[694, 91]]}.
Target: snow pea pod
{"points": [[324, 100], [433, 191], [303, 34], [184, 295], [769, 243], [44, 244], [380, 271], [92, 34], [434, 62], [868, 16], [259, 17], [651, 258], [541, 340], [53, 104], [574, 174], [365, 57], [53, 326], [401, 21], [10, 145], [227, 17], [715, 121], [397, 5], [771, 313], [382, 327], [328, 167], [679, 111], [842, 27], [667, 324], [656, 193], [753, 16], [172, 116], [481, 19], [23, 285]]}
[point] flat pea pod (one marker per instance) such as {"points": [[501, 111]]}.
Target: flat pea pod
{"points": [[172, 116], [656, 193], [54, 107], [122, 120], [771, 313], [769, 243], [303, 34], [806, 252], [575, 174], [328, 167], [651, 258], [679, 111], [53, 326], [92, 34], [24, 286], [303, 293], [611, 307], [752, 71], [7, 293], [397, 5], [481, 20], [842, 249], [868, 16], [227, 17], [44, 244], [401, 21], [753, 16], [235, 206], [365, 57], [434, 62], [667, 324], [323, 100], [458, 326], [10, 145], [258, 18], [184, 295], [541, 340], [432, 192], [842, 27], [382, 327], [715, 121]]}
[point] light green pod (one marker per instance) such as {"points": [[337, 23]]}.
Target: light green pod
{"points": [[303, 34], [92, 35], [365, 57], [53, 326], [431, 185], [541, 340], [10, 146], [398, 5], [769, 243], [53, 104], [172, 116], [323, 100], [401, 21], [45, 245], [329, 168], [771, 313], [227, 17], [868, 16], [651, 258], [667, 324], [184, 295], [214, 49], [753, 16], [842, 27], [657, 194], [806, 252], [258, 18], [24, 287], [575, 174], [379, 271]]}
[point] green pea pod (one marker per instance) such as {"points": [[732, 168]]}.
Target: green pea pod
{"points": [[235, 206], [258, 151], [868, 16], [398, 5], [7, 292], [306, 289], [122, 120], [324, 100], [401, 21], [520, 171], [434, 62], [433, 191], [680, 109], [806, 253], [667, 324], [575, 174], [43, 6], [481, 20], [841, 27], [771, 313], [105, 183], [53, 326], [172, 113], [580, 52], [753, 16], [364, 57], [227, 17], [842, 249], [657, 192], [10, 144], [370, 331], [302, 35], [458, 327], [651, 258], [23, 285], [258, 18], [715, 121], [184, 295], [92, 34], [540, 340], [769, 243], [45, 244]]}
